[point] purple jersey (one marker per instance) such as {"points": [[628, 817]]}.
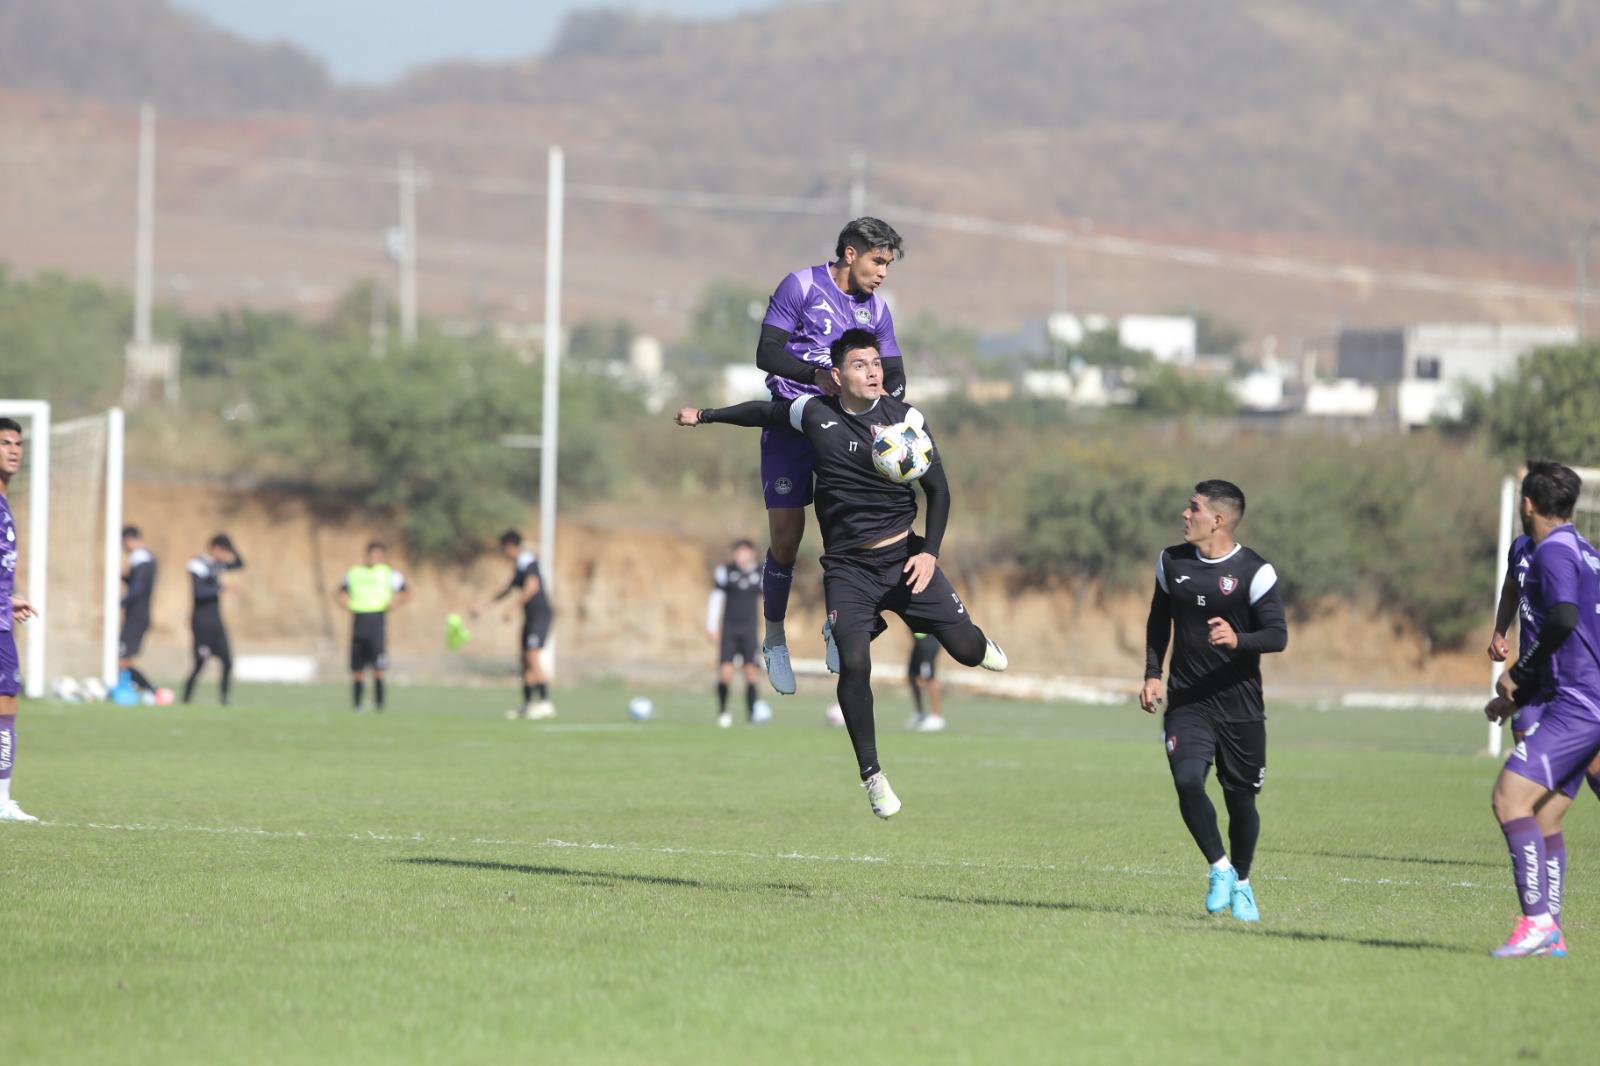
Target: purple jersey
{"points": [[815, 312], [1566, 569], [8, 563], [1517, 563]]}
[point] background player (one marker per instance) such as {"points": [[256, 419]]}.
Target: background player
{"points": [[731, 624], [807, 313], [141, 584], [1218, 603], [205, 620], [922, 672], [537, 618], [1556, 680], [13, 609], [368, 592], [872, 562]]}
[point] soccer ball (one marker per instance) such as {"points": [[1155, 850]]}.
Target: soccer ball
{"points": [[761, 713], [640, 708], [68, 690], [164, 697], [901, 452], [834, 715]]}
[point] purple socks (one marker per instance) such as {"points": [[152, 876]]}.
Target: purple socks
{"points": [[1526, 844]]}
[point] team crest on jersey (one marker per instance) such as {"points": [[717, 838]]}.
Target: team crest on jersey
{"points": [[864, 316], [1228, 584]]}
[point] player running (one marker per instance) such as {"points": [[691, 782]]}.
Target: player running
{"points": [[923, 674], [1218, 604], [872, 562], [807, 313], [205, 620], [731, 624], [13, 609], [1556, 684], [141, 585], [368, 592], [537, 618]]}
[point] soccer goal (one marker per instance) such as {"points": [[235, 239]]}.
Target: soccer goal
{"points": [[68, 501]]}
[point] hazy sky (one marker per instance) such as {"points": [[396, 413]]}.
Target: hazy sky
{"points": [[376, 40]]}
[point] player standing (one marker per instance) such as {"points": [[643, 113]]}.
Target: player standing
{"points": [[1556, 682], [368, 591], [923, 674], [1218, 604], [141, 585], [809, 311], [872, 562], [205, 620], [13, 609], [537, 618], [731, 624]]}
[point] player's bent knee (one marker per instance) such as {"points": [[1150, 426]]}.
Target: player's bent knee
{"points": [[1189, 776], [966, 644], [855, 654]]}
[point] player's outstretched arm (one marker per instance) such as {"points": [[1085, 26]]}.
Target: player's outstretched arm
{"points": [[755, 414]]}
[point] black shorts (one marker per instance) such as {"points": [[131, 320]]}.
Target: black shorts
{"points": [[131, 639], [210, 637], [368, 643], [861, 585], [1239, 749], [536, 629], [739, 644], [924, 658]]}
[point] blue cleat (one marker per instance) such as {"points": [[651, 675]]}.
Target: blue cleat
{"points": [[1244, 902], [1220, 892]]}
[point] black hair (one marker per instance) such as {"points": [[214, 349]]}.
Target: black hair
{"points": [[512, 537], [866, 235], [221, 541], [852, 340], [377, 545], [10, 423], [1229, 495], [130, 531], [744, 542], [1552, 487]]}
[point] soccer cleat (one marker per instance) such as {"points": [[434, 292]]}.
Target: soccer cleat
{"points": [[830, 652], [931, 723], [542, 710], [994, 659], [724, 720], [885, 804], [10, 812], [1244, 902], [779, 672], [1219, 890], [518, 713], [915, 722], [1528, 938], [1558, 950]]}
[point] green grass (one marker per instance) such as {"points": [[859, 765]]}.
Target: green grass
{"points": [[283, 881]]}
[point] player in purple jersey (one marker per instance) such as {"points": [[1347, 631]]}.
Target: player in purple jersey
{"points": [[1557, 675], [808, 312], [13, 609]]}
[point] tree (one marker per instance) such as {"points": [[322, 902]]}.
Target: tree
{"points": [[1550, 407], [1165, 390]]}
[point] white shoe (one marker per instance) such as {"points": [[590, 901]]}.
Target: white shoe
{"points": [[932, 723], [830, 652], [779, 672], [10, 812], [724, 720], [542, 710], [994, 659], [885, 804]]}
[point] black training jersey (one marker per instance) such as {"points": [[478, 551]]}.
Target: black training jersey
{"points": [[1241, 588], [141, 582], [528, 569], [205, 578], [738, 595]]}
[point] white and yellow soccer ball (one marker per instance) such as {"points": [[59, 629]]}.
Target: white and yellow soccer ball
{"points": [[902, 452]]}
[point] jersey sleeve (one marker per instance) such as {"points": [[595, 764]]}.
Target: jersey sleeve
{"points": [[786, 305], [888, 347], [1158, 624], [1559, 580], [1269, 627]]}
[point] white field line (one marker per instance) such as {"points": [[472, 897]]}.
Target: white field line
{"points": [[370, 836]]}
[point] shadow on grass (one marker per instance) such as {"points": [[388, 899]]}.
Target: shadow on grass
{"points": [[1234, 929], [599, 876], [1419, 860]]}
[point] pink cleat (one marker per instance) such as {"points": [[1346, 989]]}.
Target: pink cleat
{"points": [[1529, 938]]}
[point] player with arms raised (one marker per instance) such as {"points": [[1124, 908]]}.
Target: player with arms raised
{"points": [[809, 311], [872, 562], [13, 609], [1217, 602]]}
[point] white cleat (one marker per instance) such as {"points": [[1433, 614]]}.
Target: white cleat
{"points": [[779, 672], [724, 720], [538, 712], [10, 812], [885, 804], [830, 653], [932, 723], [994, 659]]}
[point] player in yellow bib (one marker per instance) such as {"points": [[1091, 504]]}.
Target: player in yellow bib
{"points": [[368, 592]]}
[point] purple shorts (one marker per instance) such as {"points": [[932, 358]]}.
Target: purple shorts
{"points": [[1561, 739], [787, 463], [10, 667]]}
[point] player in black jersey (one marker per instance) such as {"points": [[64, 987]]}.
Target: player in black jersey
{"points": [[733, 611], [141, 582], [1218, 603], [923, 674], [872, 562], [537, 618], [210, 635]]}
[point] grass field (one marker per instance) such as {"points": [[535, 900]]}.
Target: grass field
{"points": [[282, 881]]}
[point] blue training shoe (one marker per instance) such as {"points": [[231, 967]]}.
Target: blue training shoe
{"points": [[1220, 891], [1244, 902]]}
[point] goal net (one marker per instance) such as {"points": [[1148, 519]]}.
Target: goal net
{"points": [[67, 501]]}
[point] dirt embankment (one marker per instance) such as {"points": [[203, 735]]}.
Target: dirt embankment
{"points": [[632, 601]]}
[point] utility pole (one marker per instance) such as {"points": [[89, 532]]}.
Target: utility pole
{"points": [[551, 420], [408, 251]]}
